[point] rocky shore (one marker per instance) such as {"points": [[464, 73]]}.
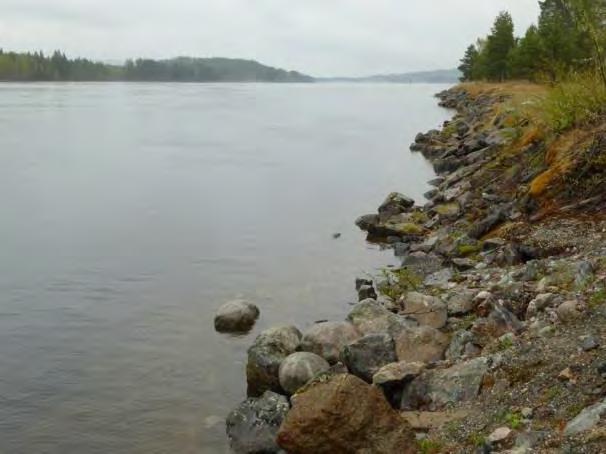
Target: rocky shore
{"points": [[489, 338]]}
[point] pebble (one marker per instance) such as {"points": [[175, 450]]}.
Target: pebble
{"points": [[499, 435]]}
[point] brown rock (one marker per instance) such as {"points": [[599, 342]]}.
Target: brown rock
{"points": [[568, 311], [427, 310], [344, 415], [423, 343]]}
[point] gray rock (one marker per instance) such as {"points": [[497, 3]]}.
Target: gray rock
{"points": [[369, 317], [461, 302], [367, 292], [427, 310], [367, 355], [437, 388], [253, 426], [367, 222], [266, 354], [484, 226], [421, 344], [584, 274], [327, 339], [394, 204], [439, 279], [463, 264], [297, 369], [590, 342], [361, 281], [458, 344], [236, 317], [421, 263], [499, 321], [541, 302], [586, 420]]}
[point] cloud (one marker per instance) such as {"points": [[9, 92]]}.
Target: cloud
{"points": [[321, 37]]}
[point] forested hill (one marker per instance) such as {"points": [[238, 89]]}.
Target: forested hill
{"points": [[38, 67]]}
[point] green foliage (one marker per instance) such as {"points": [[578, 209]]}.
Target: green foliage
{"points": [[570, 37], [597, 299], [579, 100], [398, 282], [427, 446], [514, 420]]}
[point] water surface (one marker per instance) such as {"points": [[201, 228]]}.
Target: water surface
{"points": [[131, 211]]}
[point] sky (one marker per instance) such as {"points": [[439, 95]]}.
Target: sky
{"points": [[317, 37]]}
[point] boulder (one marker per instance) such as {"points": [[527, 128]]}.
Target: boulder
{"points": [[394, 204], [253, 426], [299, 368], [587, 419], [439, 279], [266, 354], [369, 317], [397, 373], [427, 310], [341, 415], [498, 322], [438, 388], [367, 222], [367, 292], [568, 311], [458, 345], [236, 316], [367, 355], [421, 344], [327, 339]]}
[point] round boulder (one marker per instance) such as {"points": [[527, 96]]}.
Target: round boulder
{"points": [[236, 317], [328, 339], [297, 369]]}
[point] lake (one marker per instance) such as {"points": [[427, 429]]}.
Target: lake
{"points": [[130, 212]]}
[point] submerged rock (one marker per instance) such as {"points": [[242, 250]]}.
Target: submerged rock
{"points": [[253, 426], [236, 316], [328, 339], [344, 415], [299, 368], [266, 354]]}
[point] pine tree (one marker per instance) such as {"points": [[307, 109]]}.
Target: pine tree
{"points": [[498, 47], [468, 63]]}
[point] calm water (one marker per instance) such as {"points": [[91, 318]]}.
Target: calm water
{"points": [[130, 212]]}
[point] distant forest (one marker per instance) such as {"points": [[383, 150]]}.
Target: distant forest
{"points": [[57, 67]]}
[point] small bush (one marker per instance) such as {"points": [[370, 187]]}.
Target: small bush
{"points": [[579, 100]]}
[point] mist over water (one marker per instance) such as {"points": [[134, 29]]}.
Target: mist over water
{"points": [[130, 212]]}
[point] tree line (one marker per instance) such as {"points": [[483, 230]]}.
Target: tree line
{"points": [[58, 67], [569, 37]]}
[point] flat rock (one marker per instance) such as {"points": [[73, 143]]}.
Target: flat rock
{"points": [[328, 339], [266, 354], [343, 414], [587, 419], [237, 316], [253, 426], [397, 373], [299, 368]]}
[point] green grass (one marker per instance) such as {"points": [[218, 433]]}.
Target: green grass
{"points": [[398, 282], [429, 446]]}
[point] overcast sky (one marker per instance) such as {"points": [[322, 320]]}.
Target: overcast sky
{"points": [[318, 37]]}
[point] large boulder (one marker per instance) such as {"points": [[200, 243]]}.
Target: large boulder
{"points": [[299, 368], [394, 204], [426, 309], [253, 426], [423, 343], [236, 316], [367, 355], [341, 415], [327, 339], [369, 317], [438, 388], [266, 354]]}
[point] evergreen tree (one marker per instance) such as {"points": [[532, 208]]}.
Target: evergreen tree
{"points": [[526, 58], [498, 47], [468, 63]]}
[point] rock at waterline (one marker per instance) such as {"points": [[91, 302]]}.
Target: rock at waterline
{"points": [[343, 414], [266, 354], [394, 204], [236, 316], [299, 368], [252, 427]]}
